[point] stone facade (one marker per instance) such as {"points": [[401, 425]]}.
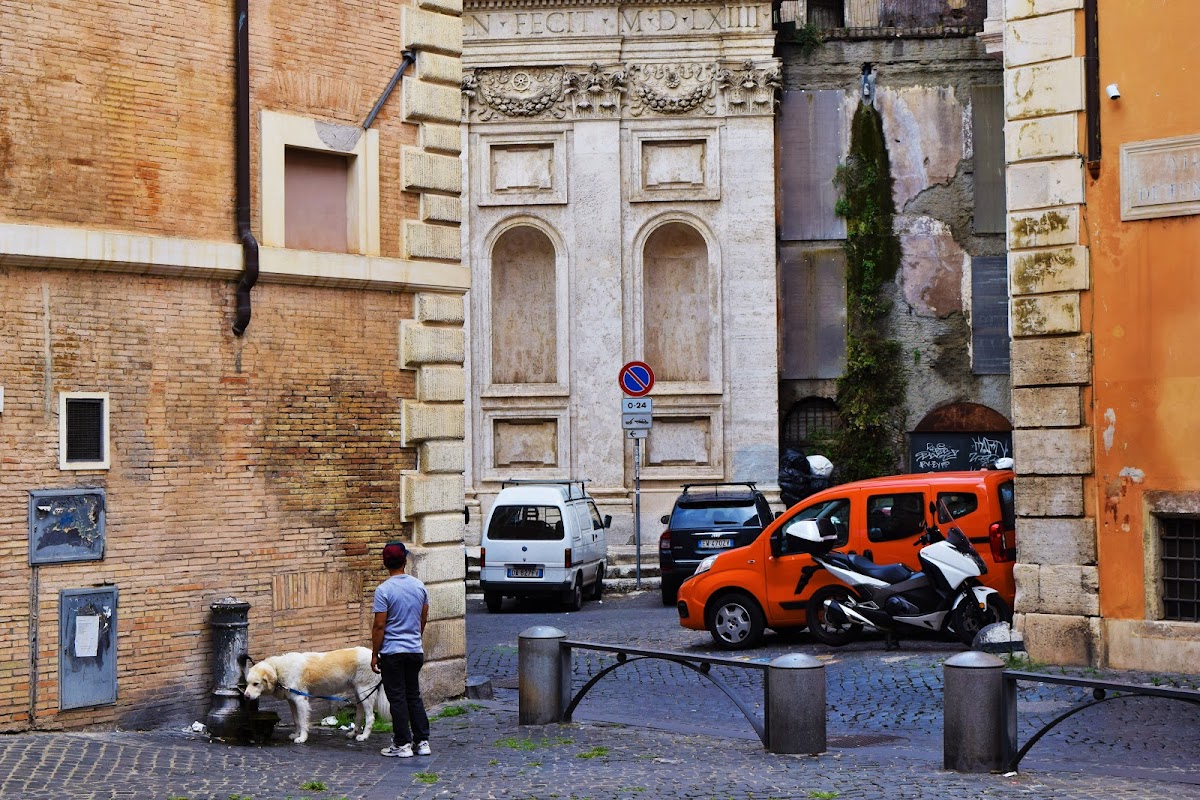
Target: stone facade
{"points": [[271, 466], [621, 208]]}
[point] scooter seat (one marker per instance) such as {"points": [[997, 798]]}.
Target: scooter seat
{"points": [[888, 573]]}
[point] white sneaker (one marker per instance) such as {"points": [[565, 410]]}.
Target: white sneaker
{"points": [[403, 751], [423, 749]]}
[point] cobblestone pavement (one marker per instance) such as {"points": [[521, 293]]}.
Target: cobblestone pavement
{"points": [[650, 729]]}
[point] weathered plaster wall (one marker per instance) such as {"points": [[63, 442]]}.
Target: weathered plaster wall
{"points": [[923, 93]]}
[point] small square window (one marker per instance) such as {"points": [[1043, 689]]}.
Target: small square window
{"points": [[83, 430], [315, 200]]}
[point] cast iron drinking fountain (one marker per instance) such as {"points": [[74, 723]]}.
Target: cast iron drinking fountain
{"points": [[232, 716]]}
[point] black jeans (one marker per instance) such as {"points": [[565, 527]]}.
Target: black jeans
{"points": [[402, 685]]}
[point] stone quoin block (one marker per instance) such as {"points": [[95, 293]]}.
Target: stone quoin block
{"points": [[1042, 137], [441, 384], [432, 241], [1059, 496], [423, 421], [1037, 39], [1061, 360], [422, 344], [454, 7], [445, 638], [440, 528], [434, 565], [1057, 541], [423, 171], [1043, 315], [441, 138], [1058, 269], [1022, 9], [427, 31], [1047, 407], [431, 102], [447, 600], [439, 208], [1061, 639], [1054, 451], [429, 494], [446, 457], [1041, 184], [1045, 228], [436, 307], [432, 68]]}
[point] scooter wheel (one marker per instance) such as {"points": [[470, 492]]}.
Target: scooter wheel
{"points": [[824, 629]]}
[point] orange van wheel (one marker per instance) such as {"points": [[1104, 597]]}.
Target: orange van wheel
{"points": [[735, 621]]}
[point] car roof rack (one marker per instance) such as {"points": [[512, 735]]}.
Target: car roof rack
{"points": [[713, 484], [576, 490]]}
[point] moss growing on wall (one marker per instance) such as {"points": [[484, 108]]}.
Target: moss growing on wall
{"points": [[870, 393]]}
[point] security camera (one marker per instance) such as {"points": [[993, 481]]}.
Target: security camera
{"points": [[1113, 92]]}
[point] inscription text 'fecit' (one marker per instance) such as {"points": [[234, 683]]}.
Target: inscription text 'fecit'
{"points": [[612, 22]]}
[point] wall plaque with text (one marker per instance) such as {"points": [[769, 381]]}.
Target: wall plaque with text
{"points": [[1160, 178]]}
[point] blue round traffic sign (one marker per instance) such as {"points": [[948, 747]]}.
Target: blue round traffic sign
{"points": [[637, 378]]}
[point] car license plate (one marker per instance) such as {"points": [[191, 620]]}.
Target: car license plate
{"points": [[715, 544], [524, 572]]}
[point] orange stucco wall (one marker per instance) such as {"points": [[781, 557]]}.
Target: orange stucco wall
{"points": [[1146, 293]]}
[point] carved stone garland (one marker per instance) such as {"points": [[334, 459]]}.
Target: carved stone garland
{"points": [[667, 89]]}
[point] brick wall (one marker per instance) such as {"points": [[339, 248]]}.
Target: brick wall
{"points": [[267, 468], [121, 116]]}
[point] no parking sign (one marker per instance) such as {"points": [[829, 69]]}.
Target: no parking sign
{"points": [[637, 378]]}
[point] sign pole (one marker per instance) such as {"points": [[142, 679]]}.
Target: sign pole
{"points": [[637, 507]]}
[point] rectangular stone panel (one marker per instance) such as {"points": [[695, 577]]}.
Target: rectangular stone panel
{"points": [[1056, 541], [682, 441], [1042, 184], [521, 167], [429, 494], [1037, 39], [1042, 137], [1160, 178], [1048, 314], [673, 165], [1059, 496], [524, 443], [1042, 90], [1046, 361]]}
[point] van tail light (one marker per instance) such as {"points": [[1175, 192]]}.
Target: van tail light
{"points": [[482, 557], [1002, 548], [567, 558]]}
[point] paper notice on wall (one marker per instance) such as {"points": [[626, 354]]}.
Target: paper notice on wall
{"points": [[87, 636]]}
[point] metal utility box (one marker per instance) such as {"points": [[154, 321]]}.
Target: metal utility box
{"points": [[66, 525], [87, 647]]}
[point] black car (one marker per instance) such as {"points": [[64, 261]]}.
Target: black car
{"points": [[708, 518]]}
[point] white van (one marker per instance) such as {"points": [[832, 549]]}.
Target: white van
{"points": [[543, 538]]}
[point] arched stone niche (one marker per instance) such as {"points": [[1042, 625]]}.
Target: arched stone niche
{"points": [[678, 314], [524, 308]]}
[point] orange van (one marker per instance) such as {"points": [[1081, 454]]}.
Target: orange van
{"points": [[736, 594]]}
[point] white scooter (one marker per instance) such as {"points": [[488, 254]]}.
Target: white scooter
{"points": [[945, 596]]}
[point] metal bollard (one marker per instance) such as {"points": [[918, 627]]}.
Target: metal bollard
{"points": [[544, 675], [795, 707], [973, 721]]}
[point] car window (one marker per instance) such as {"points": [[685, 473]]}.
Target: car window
{"points": [[836, 511], [597, 520], [894, 516], [959, 504], [538, 523], [1008, 508], [714, 516]]}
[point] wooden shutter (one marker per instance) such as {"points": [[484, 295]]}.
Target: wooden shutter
{"points": [[813, 315], [989, 315], [811, 145], [987, 114]]}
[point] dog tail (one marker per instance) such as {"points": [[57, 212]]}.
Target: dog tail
{"points": [[383, 708]]}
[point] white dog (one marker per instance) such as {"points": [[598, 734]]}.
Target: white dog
{"points": [[298, 677]]}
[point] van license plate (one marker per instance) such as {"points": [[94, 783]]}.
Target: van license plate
{"points": [[714, 544], [524, 572]]}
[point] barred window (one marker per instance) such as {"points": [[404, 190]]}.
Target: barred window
{"points": [[1180, 554], [807, 421]]}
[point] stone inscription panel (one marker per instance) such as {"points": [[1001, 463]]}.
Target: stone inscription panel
{"points": [[525, 443], [522, 167], [1160, 178], [675, 21], [673, 165]]}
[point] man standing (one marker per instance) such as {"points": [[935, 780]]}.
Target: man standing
{"points": [[401, 610]]}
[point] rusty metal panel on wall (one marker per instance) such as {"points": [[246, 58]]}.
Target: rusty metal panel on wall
{"points": [[87, 647], [989, 315], [932, 13], [66, 525], [812, 142], [813, 316], [987, 123]]}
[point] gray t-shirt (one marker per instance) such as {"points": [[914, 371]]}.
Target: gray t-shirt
{"points": [[402, 597]]}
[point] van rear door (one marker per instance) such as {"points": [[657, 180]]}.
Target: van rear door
{"points": [[526, 539]]}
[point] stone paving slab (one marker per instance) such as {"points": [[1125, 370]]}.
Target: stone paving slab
{"points": [[648, 730]]}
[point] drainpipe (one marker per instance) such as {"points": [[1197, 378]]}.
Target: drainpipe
{"points": [[242, 146], [1091, 70]]}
